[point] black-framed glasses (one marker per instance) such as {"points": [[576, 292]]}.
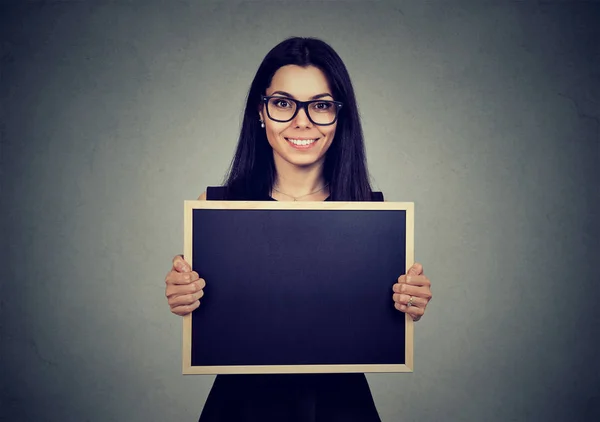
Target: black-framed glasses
{"points": [[319, 112]]}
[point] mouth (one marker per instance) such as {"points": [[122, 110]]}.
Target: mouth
{"points": [[302, 143]]}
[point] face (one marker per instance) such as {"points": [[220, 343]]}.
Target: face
{"points": [[292, 141]]}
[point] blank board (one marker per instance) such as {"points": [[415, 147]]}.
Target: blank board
{"points": [[298, 287]]}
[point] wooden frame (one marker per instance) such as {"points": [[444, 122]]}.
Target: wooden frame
{"points": [[408, 211]]}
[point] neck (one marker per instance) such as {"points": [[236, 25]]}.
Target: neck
{"points": [[295, 181]]}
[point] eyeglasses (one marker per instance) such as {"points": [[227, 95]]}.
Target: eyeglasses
{"points": [[319, 112]]}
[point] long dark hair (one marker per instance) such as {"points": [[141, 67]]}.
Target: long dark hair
{"points": [[252, 171]]}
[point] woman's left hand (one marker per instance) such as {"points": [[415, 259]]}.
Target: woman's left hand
{"points": [[412, 292]]}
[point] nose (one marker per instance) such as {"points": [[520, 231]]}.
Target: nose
{"points": [[301, 119]]}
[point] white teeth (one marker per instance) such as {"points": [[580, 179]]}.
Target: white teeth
{"points": [[302, 142]]}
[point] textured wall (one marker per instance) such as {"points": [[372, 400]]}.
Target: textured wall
{"points": [[486, 115]]}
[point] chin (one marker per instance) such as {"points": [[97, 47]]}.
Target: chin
{"points": [[304, 161]]}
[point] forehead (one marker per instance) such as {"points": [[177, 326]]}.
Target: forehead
{"points": [[301, 82]]}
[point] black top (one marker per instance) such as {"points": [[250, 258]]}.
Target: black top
{"points": [[220, 193], [288, 397]]}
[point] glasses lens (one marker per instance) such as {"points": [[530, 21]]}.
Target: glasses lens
{"points": [[320, 112], [281, 108]]}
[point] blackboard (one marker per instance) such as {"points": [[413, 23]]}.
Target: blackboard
{"points": [[298, 287]]}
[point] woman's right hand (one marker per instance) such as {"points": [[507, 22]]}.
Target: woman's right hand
{"points": [[184, 287]]}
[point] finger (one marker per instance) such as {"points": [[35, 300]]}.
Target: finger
{"points": [[182, 278], [414, 311], [180, 264], [184, 289], [411, 280], [417, 280], [404, 299], [402, 278], [184, 300], [408, 289], [184, 310], [418, 291], [416, 269]]}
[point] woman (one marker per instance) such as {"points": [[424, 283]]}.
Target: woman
{"points": [[301, 140]]}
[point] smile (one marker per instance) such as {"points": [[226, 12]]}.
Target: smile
{"points": [[301, 143]]}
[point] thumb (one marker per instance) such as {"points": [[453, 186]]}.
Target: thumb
{"points": [[416, 269], [180, 265]]}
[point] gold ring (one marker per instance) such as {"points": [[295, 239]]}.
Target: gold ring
{"points": [[410, 301]]}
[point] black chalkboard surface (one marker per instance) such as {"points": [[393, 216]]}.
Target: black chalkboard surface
{"points": [[298, 287]]}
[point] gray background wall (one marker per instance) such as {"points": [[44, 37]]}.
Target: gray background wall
{"points": [[486, 115]]}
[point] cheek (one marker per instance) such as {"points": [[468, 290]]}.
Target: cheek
{"points": [[273, 132], [330, 133]]}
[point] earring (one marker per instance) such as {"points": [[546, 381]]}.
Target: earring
{"points": [[262, 124]]}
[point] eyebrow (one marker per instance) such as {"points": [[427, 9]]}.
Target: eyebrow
{"points": [[316, 97]]}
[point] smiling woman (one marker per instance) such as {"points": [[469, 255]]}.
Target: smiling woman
{"points": [[301, 140], [310, 145]]}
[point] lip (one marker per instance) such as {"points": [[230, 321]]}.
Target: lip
{"points": [[302, 147]]}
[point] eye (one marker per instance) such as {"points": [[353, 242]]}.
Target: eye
{"points": [[281, 103], [322, 105]]}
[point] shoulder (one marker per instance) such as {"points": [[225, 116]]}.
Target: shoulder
{"points": [[214, 193], [377, 196]]}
